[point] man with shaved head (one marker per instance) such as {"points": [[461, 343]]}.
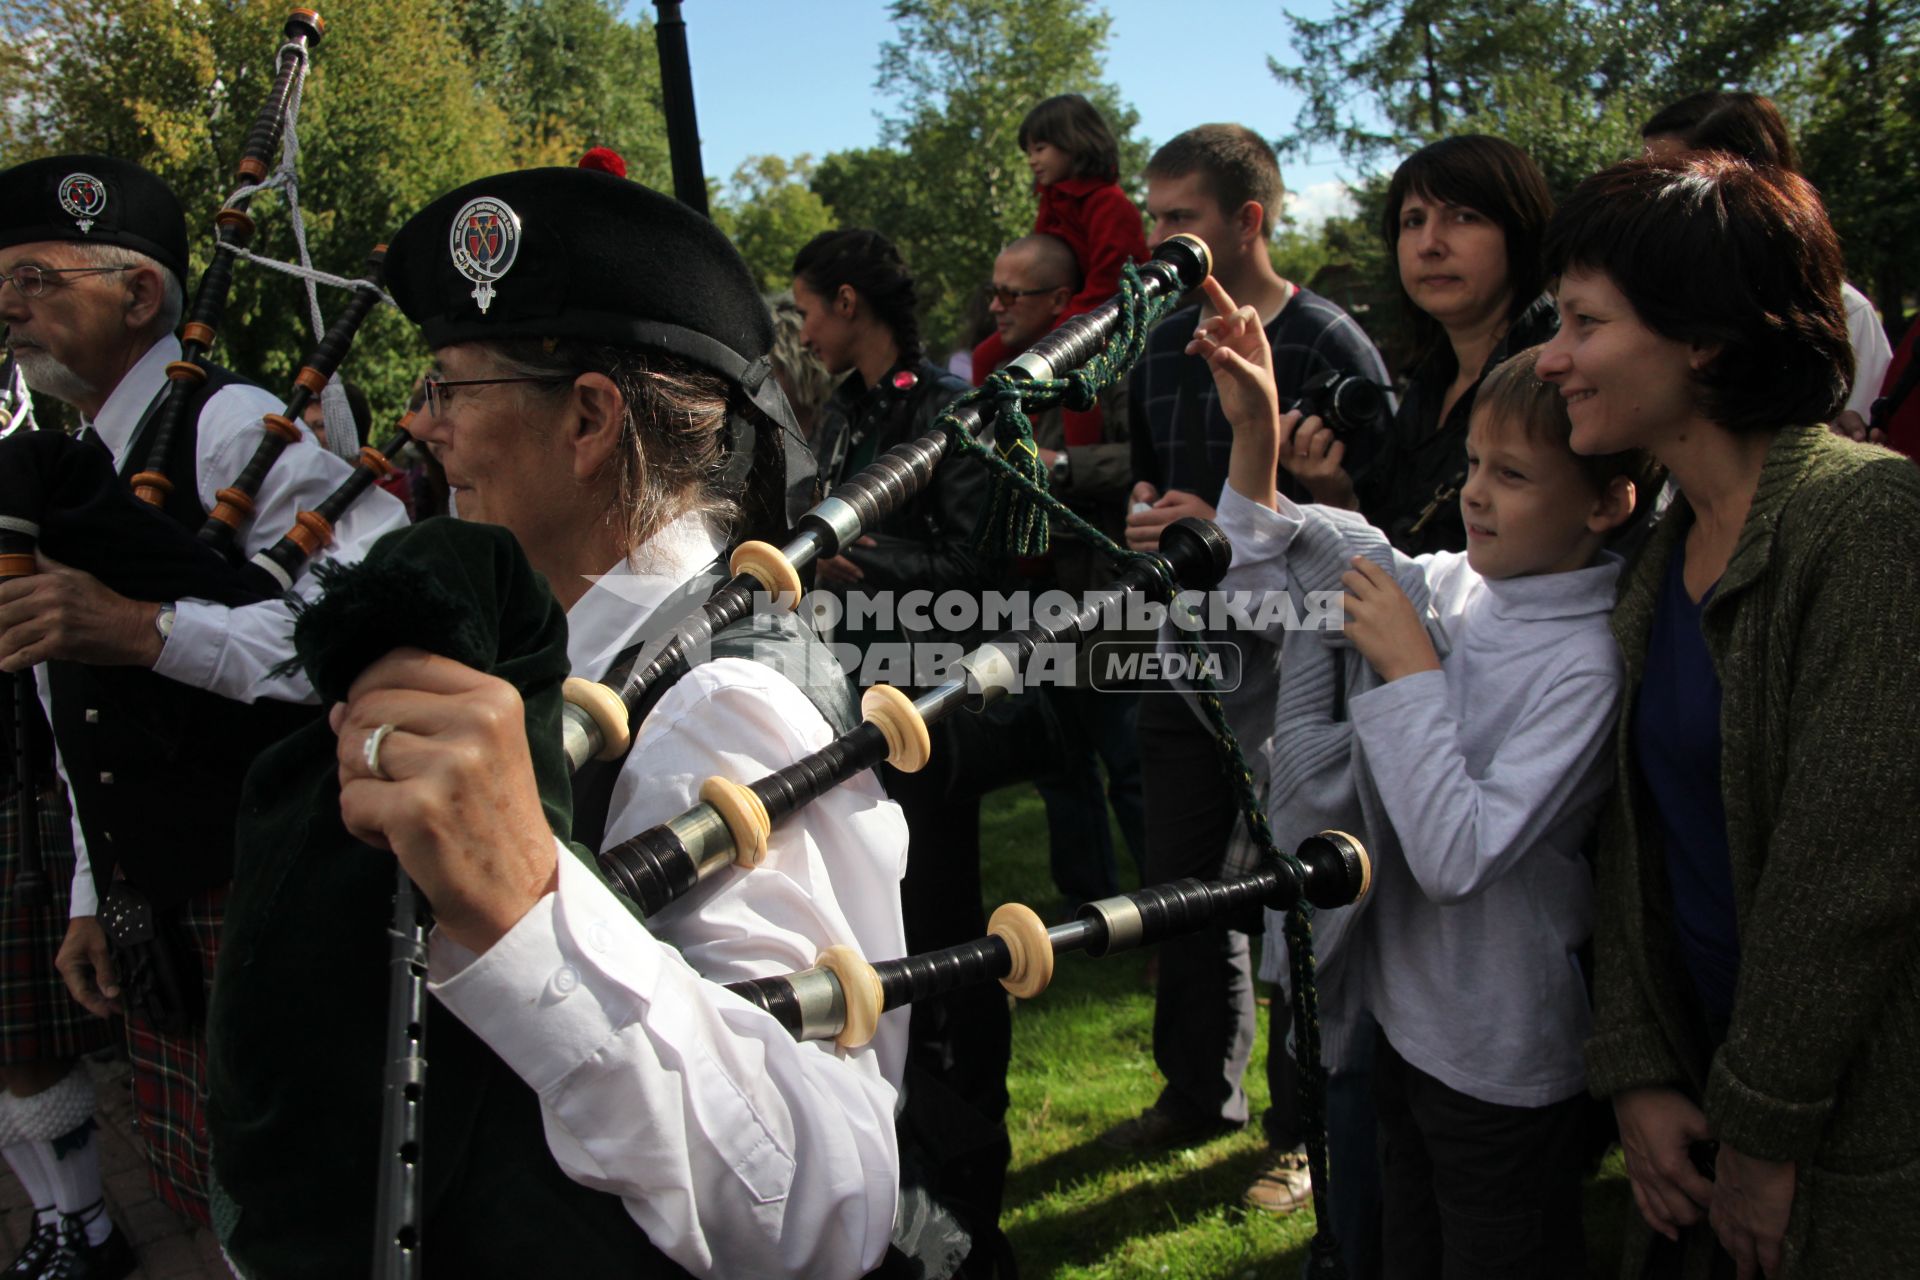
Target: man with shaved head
{"points": [[1034, 279]]}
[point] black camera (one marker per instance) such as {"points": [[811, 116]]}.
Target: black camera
{"points": [[1351, 405]]}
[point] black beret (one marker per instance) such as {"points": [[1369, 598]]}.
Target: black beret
{"points": [[575, 253], [93, 200]]}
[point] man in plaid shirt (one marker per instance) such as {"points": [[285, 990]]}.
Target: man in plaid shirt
{"points": [[1222, 183]]}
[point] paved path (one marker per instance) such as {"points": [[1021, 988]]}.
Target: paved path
{"points": [[168, 1248]]}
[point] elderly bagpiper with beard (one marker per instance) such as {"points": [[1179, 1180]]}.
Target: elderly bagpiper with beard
{"points": [[600, 380], [147, 697]]}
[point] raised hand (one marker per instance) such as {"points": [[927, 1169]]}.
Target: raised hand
{"points": [[1234, 345]]}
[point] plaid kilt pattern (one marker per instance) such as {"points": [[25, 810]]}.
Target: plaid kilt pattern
{"points": [[170, 1077], [39, 1021]]}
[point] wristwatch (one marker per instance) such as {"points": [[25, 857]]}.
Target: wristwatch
{"points": [[1061, 470], [163, 621]]}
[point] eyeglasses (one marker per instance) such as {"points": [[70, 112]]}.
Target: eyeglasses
{"points": [[1007, 297], [439, 391], [31, 280]]}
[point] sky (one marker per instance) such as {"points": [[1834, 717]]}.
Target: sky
{"points": [[782, 77]]}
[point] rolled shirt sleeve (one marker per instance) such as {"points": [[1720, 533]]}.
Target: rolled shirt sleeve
{"points": [[233, 652], [739, 1151]]}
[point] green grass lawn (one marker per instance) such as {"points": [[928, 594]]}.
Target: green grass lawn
{"points": [[1083, 1060]]}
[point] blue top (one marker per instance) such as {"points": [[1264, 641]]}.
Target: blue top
{"points": [[1676, 739]]}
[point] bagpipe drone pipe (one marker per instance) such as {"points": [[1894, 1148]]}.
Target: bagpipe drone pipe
{"points": [[842, 997], [865, 499], [733, 820], [233, 229]]}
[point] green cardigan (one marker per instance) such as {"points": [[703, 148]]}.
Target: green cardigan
{"points": [[1812, 631]]}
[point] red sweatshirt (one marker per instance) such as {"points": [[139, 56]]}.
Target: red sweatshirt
{"points": [[1102, 227]]}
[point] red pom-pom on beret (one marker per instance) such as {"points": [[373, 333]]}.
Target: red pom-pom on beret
{"points": [[606, 160]]}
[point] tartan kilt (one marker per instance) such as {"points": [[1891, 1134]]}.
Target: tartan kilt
{"points": [[170, 1076], [39, 1020]]}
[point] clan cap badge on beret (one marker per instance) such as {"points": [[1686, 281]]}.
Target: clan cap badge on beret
{"points": [[93, 200], [484, 243], [579, 253], [83, 196]]}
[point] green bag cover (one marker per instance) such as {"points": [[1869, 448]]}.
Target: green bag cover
{"points": [[297, 1023]]}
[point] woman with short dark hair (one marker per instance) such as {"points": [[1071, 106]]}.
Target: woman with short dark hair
{"points": [[1749, 127], [1463, 218], [1757, 986]]}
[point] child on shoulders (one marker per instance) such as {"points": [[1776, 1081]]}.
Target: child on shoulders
{"points": [[1465, 728], [1076, 169]]}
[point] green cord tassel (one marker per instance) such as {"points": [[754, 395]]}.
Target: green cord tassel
{"points": [[1016, 514]]}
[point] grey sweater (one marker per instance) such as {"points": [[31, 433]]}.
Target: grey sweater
{"points": [[1476, 787]]}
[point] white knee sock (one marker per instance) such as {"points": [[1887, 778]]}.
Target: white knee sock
{"points": [[24, 1159], [75, 1160], [59, 1123]]}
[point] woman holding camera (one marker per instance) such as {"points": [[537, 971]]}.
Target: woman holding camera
{"points": [[1464, 217], [1757, 982]]}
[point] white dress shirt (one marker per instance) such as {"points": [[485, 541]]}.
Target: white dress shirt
{"points": [[739, 1151], [1872, 353], [225, 650]]}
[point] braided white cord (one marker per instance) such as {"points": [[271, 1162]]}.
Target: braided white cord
{"points": [[341, 436], [313, 274], [16, 405]]}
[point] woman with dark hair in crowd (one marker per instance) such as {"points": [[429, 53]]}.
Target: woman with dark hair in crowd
{"points": [[1757, 986], [857, 303], [1464, 217], [1750, 127]]}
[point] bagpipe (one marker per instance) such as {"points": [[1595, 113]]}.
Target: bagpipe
{"points": [[597, 717], [732, 821], [842, 997], [63, 491], [212, 565], [233, 229]]}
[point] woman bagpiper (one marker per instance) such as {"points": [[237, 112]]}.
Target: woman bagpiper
{"points": [[600, 382], [1757, 985]]}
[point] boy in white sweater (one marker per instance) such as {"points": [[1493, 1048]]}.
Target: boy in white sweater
{"points": [[1474, 767]]}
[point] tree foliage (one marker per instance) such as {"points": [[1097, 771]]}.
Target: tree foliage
{"points": [[1570, 81], [769, 211], [406, 99], [951, 186]]}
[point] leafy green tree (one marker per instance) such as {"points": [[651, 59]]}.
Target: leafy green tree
{"points": [[1570, 81], [952, 186], [395, 111], [870, 187], [572, 74], [769, 212], [1380, 77], [1861, 145]]}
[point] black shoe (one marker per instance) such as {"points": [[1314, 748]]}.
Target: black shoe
{"points": [[111, 1259], [1154, 1130], [34, 1255]]}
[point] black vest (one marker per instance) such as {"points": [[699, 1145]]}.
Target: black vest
{"points": [[156, 765]]}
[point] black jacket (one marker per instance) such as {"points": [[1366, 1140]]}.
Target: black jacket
{"points": [[1423, 461], [929, 544]]}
